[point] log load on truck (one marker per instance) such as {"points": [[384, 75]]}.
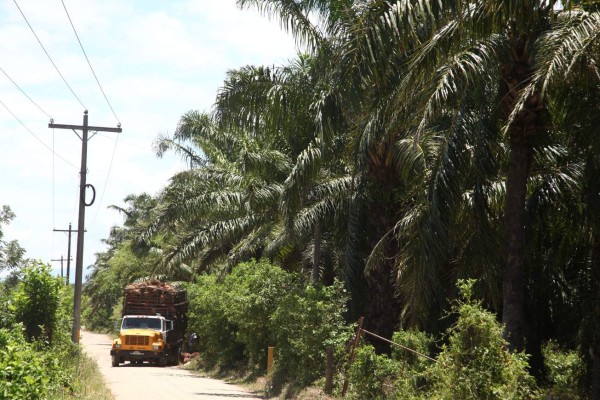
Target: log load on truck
{"points": [[153, 324]]}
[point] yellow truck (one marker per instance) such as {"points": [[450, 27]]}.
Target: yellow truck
{"points": [[153, 324]]}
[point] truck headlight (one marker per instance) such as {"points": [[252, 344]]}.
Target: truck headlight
{"points": [[117, 345], [156, 347]]}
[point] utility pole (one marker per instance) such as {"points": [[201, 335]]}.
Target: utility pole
{"points": [[62, 259], [68, 249], [85, 128]]}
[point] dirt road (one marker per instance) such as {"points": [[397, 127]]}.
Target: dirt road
{"points": [[130, 381]]}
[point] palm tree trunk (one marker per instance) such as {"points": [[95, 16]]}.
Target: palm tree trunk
{"points": [[383, 306], [528, 124], [513, 290], [382, 311]]}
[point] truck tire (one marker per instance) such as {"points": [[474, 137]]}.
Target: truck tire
{"points": [[115, 361], [162, 362]]}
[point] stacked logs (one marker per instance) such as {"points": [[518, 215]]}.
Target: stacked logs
{"points": [[152, 291]]}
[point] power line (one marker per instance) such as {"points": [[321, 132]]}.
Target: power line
{"points": [[89, 63], [35, 136], [25, 94], [48, 55]]}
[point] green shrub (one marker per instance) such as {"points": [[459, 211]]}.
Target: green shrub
{"points": [[36, 300], [371, 376], [565, 370], [304, 325], [253, 291], [259, 305], [27, 370], [232, 317], [207, 317], [7, 316], [476, 363], [412, 375]]}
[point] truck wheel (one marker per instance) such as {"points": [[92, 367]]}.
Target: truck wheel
{"points": [[115, 361], [162, 362]]}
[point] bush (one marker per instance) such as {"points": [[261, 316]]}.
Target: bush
{"points": [[7, 316], [476, 363], [371, 375], [36, 300], [304, 325], [28, 370], [565, 370], [259, 305], [412, 375], [253, 292], [207, 317], [232, 317]]}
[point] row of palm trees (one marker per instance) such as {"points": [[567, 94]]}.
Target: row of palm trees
{"points": [[412, 143]]}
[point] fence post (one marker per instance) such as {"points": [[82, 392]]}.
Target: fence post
{"points": [[270, 359], [354, 345], [329, 373]]}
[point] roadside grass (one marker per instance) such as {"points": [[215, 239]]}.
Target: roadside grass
{"points": [[88, 383], [259, 385]]}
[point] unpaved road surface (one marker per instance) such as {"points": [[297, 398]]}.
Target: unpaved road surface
{"points": [[148, 382]]}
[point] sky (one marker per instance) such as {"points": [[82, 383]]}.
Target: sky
{"points": [[155, 60]]}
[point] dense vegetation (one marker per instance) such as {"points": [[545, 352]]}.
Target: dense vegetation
{"points": [[410, 145], [37, 358]]}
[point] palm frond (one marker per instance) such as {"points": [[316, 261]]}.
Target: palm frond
{"points": [[293, 16]]}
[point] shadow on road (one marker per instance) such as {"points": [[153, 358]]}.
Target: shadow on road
{"points": [[229, 395]]}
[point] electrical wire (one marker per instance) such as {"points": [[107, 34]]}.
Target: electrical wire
{"points": [[35, 136], [107, 102], [89, 63], [25, 94], [48, 55]]}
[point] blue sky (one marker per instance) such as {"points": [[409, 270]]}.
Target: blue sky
{"points": [[155, 61]]}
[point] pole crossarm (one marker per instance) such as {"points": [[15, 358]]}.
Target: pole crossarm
{"points": [[81, 127]]}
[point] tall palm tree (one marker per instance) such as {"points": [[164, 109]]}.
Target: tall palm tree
{"points": [[226, 207], [294, 108], [462, 46]]}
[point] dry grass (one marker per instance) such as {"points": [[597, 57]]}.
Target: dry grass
{"points": [[89, 382], [258, 385]]}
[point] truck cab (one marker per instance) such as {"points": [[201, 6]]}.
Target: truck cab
{"points": [[143, 338]]}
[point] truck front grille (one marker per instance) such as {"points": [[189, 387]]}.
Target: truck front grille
{"points": [[137, 340]]}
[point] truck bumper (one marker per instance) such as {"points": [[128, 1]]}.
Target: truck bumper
{"points": [[136, 354]]}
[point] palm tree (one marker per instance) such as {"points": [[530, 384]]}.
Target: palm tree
{"points": [[226, 206], [294, 108], [460, 47]]}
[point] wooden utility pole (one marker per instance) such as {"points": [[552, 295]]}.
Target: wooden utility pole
{"points": [[85, 128], [61, 259], [68, 249]]}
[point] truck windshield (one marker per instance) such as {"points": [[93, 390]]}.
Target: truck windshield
{"points": [[141, 323]]}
